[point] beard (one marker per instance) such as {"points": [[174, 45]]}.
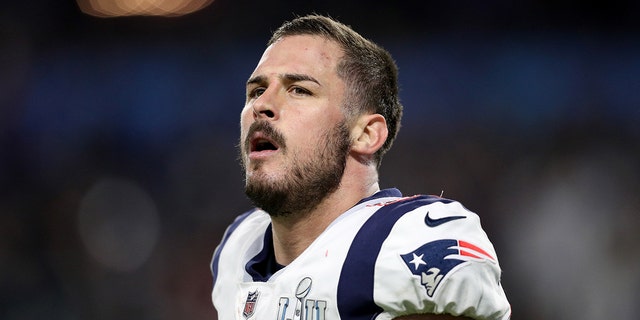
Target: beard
{"points": [[308, 181]]}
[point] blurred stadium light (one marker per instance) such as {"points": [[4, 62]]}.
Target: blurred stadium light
{"points": [[122, 8]]}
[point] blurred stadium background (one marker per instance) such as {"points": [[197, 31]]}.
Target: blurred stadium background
{"points": [[118, 170]]}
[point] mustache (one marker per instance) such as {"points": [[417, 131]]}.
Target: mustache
{"points": [[268, 130]]}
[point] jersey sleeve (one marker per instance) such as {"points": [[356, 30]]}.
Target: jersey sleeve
{"points": [[437, 259]]}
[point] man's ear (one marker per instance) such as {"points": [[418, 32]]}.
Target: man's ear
{"points": [[369, 134]]}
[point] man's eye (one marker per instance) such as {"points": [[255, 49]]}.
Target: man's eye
{"points": [[300, 91], [255, 93]]}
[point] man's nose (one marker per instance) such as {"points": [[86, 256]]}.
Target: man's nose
{"points": [[266, 105]]}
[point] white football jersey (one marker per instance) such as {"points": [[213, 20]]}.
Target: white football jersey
{"points": [[386, 257]]}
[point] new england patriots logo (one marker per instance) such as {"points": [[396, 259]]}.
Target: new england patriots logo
{"points": [[433, 261]]}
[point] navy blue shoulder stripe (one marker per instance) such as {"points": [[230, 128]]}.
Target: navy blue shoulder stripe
{"points": [[230, 229], [355, 288]]}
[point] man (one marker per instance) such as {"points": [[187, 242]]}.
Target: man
{"points": [[321, 110]]}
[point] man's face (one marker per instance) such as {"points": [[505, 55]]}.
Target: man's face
{"points": [[294, 140]]}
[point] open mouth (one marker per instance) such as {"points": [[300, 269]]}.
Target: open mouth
{"points": [[262, 145], [259, 142], [263, 140]]}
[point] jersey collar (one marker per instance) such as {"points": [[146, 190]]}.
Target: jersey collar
{"points": [[384, 193]]}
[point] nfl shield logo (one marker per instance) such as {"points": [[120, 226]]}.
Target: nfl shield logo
{"points": [[250, 304]]}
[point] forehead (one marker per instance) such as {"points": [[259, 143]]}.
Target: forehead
{"points": [[301, 54]]}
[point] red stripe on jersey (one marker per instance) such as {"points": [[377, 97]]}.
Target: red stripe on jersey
{"points": [[469, 254], [468, 245]]}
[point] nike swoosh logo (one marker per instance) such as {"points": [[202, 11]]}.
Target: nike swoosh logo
{"points": [[436, 222]]}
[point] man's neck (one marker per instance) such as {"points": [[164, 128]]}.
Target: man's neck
{"points": [[294, 233]]}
